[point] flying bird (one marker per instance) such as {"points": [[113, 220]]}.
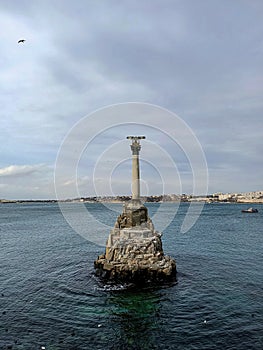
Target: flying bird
{"points": [[21, 41]]}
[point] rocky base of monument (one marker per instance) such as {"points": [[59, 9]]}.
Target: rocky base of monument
{"points": [[130, 260]]}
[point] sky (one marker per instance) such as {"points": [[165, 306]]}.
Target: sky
{"points": [[198, 60]]}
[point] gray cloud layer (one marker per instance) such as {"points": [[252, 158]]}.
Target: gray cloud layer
{"points": [[200, 59]]}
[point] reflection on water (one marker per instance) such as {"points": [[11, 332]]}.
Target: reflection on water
{"points": [[134, 318]]}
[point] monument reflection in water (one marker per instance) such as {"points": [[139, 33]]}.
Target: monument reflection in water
{"points": [[134, 250], [135, 318]]}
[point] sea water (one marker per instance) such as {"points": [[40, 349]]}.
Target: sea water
{"points": [[50, 298]]}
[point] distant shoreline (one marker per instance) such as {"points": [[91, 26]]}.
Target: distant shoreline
{"points": [[94, 200]]}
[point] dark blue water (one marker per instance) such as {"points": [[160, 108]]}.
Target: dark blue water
{"points": [[50, 298]]}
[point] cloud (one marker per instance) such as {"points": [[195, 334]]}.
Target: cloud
{"points": [[27, 182], [20, 170], [202, 60]]}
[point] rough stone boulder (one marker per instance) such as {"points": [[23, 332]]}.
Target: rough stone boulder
{"points": [[137, 262], [134, 250]]}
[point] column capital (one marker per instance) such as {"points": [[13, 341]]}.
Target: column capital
{"points": [[135, 146]]}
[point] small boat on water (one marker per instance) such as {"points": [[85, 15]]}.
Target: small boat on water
{"points": [[250, 210]]}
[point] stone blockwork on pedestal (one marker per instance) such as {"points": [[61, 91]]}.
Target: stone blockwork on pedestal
{"points": [[134, 250]]}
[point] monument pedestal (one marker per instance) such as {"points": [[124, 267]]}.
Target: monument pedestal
{"points": [[134, 250]]}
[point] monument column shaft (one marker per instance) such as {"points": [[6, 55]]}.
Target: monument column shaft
{"points": [[135, 148], [135, 176]]}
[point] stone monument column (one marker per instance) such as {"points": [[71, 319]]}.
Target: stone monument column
{"points": [[135, 147], [134, 250]]}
